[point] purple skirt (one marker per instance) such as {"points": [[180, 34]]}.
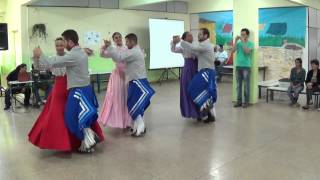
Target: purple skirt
{"points": [[187, 106]]}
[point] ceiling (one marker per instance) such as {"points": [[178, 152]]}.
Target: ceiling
{"points": [[180, 6]]}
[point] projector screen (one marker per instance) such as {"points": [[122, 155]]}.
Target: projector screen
{"points": [[161, 33]]}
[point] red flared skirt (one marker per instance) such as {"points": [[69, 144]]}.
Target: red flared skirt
{"points": [[49, 130]]}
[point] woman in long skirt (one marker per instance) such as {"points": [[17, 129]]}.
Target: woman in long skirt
{"points": [[114, 111], [190, 68]]}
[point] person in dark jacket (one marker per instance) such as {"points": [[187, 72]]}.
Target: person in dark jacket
{"points": [[297, 78], [22, 88], [312, 82]]}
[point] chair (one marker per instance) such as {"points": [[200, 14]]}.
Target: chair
{"points": [[316, 99]]}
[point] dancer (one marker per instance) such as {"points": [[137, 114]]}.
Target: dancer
{"points": [[80, 113], [187, 106], [202, 88], [114, 110], [139, 89]]}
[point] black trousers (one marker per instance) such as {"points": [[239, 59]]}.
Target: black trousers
{"points": [[16, 90]]}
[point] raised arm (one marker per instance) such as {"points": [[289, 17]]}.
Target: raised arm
{"points": [[119, 56], [175, 49], [55, 61], [58, 61], [195, 48], [104, 53], [234, 47]]}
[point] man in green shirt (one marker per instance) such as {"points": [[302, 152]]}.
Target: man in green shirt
{"points": [[243, 48]]}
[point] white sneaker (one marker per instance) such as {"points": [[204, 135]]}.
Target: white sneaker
{"points": [[141, 127], [213, 111], [89, 138], [134, 127]]}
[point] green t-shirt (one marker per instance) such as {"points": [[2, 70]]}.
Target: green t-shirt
{"points": [[243, 59]]}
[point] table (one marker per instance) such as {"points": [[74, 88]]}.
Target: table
{"points": [[267, 84], [261, 68], [98, 79]]}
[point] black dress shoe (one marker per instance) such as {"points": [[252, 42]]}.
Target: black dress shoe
{"points": [[210, 119], [6, 108], [36, 106], [237, 105], [246, 105]]}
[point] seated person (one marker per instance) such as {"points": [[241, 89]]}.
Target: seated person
{"points": [[312, 82], [220, 60], [42, 81], [20, 73], [297, 78]]}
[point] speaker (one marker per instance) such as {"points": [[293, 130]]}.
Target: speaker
{"points": [[3, 36]]}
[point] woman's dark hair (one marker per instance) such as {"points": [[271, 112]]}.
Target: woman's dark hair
{"points": [[205, 31], [221, 46], [72, 35], [20, 67], [299, 60], [132, 37], [315, 61], [184, 35], [116, 33]]}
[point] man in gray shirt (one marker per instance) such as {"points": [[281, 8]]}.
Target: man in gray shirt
{"points": [[202, 88], [82, 106], [139, 90]]}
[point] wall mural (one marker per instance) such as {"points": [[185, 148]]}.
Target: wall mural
{"points": [[282, 36], [279, 26]]}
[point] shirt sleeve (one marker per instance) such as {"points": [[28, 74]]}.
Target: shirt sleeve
{"points": [[303, 76], [225, 55], [175, 49], [67, 60], [195, 48], [119, 56], [291, 75], [250, 45]]}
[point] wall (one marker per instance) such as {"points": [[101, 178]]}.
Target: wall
{"points": [[311, 3], [10, 13], [225, 5], [105, 21]]}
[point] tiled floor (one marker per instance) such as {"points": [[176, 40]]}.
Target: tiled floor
{"points": [[265, 142]]}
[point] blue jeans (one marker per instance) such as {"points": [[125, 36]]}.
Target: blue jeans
{"points": [[293, 92], [36, 89], [219, 72], [243, 75]]}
